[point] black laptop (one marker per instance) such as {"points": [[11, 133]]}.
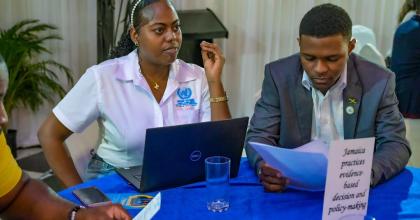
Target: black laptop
{"points": [[174, 155]]}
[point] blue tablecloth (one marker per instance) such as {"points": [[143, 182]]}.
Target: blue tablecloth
{"points": [[398, 198]]}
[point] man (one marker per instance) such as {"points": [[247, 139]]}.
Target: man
{"points": [[24, 198], [327, 93], [405, 62]]}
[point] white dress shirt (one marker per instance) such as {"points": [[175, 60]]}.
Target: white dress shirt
{"points": [[117, 95], [327, 114]]}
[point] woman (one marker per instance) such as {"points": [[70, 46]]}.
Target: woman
{"points": [[407, 11], [149, 87]]}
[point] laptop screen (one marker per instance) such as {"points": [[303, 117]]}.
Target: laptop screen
{"points": [[175, 155]]}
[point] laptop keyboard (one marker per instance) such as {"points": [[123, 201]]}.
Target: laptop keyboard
{"points": [[138, 177]]}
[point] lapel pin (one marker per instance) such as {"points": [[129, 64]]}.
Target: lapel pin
{"points": [[350, 110]]}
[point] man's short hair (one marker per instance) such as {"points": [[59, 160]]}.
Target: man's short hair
{"points": [[326, 20]]}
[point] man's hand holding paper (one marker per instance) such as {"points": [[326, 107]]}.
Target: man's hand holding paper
{"points": [[303, 168], [271, 178]]}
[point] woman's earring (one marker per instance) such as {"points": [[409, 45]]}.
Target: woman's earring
{"points": [[136, 43]]}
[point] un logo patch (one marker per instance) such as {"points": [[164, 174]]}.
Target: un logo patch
{"points": [[186, 100], [184, 93]]}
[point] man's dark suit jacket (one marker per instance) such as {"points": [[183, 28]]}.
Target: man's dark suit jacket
{"points": [[283, 114]]}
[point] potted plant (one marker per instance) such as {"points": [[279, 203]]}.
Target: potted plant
{"points": [[32, 79]]}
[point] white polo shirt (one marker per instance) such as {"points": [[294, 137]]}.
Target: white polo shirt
{"points": [[117, 95]]}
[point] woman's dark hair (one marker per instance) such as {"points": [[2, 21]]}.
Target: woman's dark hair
{"points": [[125, 45], [409, 5], [326, 20]]}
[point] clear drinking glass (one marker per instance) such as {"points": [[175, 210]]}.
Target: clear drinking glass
{"points": [[217, 182]]}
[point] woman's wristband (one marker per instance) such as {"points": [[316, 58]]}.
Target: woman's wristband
{"points": [[219, 99]]}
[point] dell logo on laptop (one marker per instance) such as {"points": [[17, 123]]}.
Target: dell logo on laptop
{"points": [[195, 155]]}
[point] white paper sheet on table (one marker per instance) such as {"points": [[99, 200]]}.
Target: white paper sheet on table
{"points": [[150, 210], [305, 166]]}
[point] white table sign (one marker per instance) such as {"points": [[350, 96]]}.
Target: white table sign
{"points": [[348, 178]]}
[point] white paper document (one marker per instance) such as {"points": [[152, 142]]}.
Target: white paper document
{"points": [[305, 166], [150, 210]]}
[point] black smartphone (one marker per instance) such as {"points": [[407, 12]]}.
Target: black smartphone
{"points": [[91, 196]]}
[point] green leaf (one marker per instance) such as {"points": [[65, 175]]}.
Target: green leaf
{"points": [[32, 81]]}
